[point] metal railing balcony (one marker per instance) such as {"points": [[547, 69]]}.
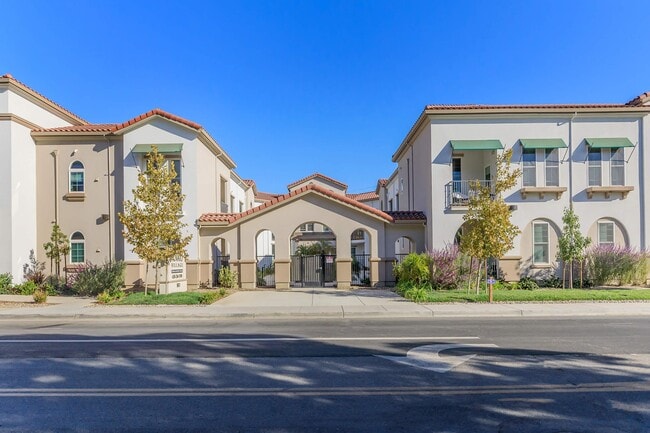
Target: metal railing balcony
{"points": [[458, 192]]}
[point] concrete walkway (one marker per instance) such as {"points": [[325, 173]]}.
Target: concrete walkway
{"points": [[316, 302]]}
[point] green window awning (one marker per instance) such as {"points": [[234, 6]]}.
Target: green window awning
{"points": [[542, 143], [476, 144], [162, 148], [599, 143]]}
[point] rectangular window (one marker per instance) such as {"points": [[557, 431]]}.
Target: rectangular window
{"points": [[77, 252], [617, 165], [552, 167], [540, 243], [396, 201], [529, 171], [595, 167], [606, 233], [241, 206], [76, 181], [390, 204]]}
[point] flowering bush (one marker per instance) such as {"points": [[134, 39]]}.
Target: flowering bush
{"points": [[612, 264], [450, 267]]}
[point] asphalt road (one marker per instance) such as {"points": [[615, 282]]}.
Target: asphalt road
{"points": [[497, 375]]}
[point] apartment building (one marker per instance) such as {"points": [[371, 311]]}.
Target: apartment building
{"points": [[589, 156], [60, 168]]}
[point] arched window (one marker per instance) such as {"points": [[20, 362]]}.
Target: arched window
{"points": [[77, 248], [77, 175]]}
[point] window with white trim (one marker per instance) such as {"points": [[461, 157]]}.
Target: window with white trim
{"points": [[77, 248], [528, 169], [77, 177], [617, 166], [552, 167], [595, 159], [605, 233], [541, 247]]}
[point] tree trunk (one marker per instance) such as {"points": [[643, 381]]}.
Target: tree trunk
{"points": [[478, 277], [571, 274], [563, 274], [471, 273]]}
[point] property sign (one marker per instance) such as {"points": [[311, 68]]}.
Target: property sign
{"points": [[173, 277]]}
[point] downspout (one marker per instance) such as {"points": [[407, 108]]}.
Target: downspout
{"points": [[642, 194], [55, 154]]}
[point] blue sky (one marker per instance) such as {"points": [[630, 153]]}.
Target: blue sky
{"points": [[289, 88]]}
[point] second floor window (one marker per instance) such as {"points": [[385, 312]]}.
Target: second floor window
{"points": [[529, 171], [552, 167], [77, 175], [617, 166], [176, 163], [595, 159]]}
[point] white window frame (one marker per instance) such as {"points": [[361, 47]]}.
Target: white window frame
{"points": [[620, 163], [527, 166], [75, 170], [547, 243], [613, 242], [595, 164], [551, 156], [81, 241]]}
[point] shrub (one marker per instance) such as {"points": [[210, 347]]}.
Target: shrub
{"points": [[106, 297], [209, 297], [610, 264], [527, 283], [413, 269], [445, 265], [40, 296], [5, 283], [26, 288], [94, 279], [227, 277], [33, 271], [414, 292], [552, 281]]}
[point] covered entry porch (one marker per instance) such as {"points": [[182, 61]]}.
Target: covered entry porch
{"points": [[347, 242]]}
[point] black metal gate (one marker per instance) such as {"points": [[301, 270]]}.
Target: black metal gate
{"points": [[313, 271], [219, 262], [361, 270], [265, 271]]}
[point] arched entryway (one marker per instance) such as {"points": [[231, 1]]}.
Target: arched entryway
{"points": [[313, 255], [360, 252], [403, 247], [265, 256], [220, 251]]}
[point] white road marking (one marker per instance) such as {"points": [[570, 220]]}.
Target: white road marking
{"points": [[229, 340], [428, 357]]}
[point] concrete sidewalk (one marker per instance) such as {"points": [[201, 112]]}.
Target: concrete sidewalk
{"points": [[310, 302]]}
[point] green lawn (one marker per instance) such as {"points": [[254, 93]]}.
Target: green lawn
{"points": [[181, 298], [541, 295]]}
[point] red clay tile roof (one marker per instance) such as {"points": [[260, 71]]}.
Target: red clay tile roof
{"points": [[407, 215], [231, 218], [248, 182], [364, 196], [265, 196], [314, 176], [41, 96], [640, 100], [114, 127], [435, 107]]}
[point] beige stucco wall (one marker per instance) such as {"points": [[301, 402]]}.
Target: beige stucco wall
{"points": [[284, 218], [76, 212]]}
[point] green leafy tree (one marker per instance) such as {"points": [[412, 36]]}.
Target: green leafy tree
{"points": [[571, 245], [489, 231], [152, 219], [57, 247]]}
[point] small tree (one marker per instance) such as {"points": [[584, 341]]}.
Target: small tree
{"points": [[489, 230], [571, 245], [58, 246], [152, 219]]}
